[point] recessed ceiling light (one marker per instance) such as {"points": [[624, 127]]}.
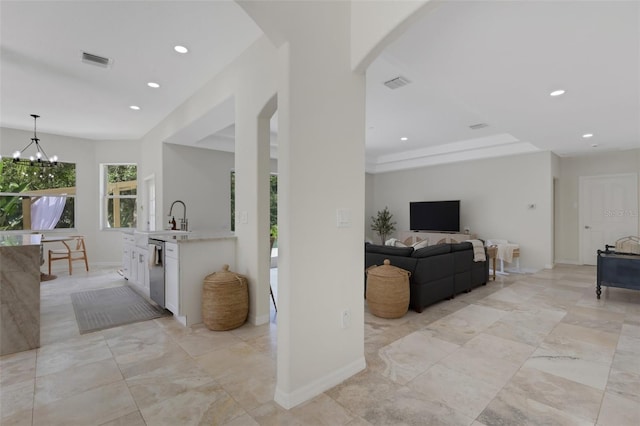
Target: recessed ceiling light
{"points": [[404, 138], [587, 135], [180, 49], [152, 84], [134, 107], [557, 92]]}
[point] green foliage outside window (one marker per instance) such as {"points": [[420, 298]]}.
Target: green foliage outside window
{"points": [[273, 203], [16, 179], [120, 195]]}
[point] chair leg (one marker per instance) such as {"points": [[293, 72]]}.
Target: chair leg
{"points": [[70, 266], [86, 262], [49, 262], [273, 298]]}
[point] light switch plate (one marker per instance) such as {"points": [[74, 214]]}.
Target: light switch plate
{"points": [[343, 218]]}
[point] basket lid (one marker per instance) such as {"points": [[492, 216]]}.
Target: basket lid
{"points": [[225, 276], [387, 270]]}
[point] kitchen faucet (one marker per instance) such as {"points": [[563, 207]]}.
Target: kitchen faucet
{"points": [[184, 222]]}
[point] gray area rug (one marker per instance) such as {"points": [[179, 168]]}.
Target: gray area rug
{"points": [[111, 307]]}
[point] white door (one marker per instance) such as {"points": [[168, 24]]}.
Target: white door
{"points": [[608, 211]]}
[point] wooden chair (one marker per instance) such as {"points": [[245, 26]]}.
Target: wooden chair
{"points": [[74, 250]]}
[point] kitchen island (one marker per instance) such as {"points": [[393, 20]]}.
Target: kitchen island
{"points": [[19, 293], [188, 258]]}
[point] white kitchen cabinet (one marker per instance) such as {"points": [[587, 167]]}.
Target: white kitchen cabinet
{"points": [[135, 261], [127, 255], [133, 271], [171, 277], [142, 281]]}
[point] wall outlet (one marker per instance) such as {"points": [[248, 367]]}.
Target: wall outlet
{"points": [[346, 318]]}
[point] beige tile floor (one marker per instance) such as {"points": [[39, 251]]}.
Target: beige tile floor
{"points": [[534, 349]]}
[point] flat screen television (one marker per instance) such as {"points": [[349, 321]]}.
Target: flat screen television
{"points": [[443, 216]]}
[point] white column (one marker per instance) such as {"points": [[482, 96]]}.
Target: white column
{"points": [[321, 110], [252, 167]]}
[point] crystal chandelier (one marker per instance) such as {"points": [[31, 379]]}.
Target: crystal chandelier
{"points": [[40, 159]]}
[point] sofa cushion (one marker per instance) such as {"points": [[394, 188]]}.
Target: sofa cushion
{"points": [[461, 246], [389, 250], [432, 250]]}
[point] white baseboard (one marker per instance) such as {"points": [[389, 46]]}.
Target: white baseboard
{"points": [[289, 400], [105, 264], [262, 319], [567, 262]]}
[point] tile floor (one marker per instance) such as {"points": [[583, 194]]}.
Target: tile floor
{"points": [[534, 349]]}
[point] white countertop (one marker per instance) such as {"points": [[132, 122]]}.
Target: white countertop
{"points": [[191, 236]]}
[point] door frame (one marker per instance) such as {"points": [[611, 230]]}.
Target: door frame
{"points": [[581, 219], [149, 193]]}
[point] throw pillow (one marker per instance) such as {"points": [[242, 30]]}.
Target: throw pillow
{"points": [[394, 242], [420, 244]]}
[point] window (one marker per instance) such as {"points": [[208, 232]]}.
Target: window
{"points": [[36, 198], [119, 193]]}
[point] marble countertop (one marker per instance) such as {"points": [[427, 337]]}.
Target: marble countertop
{"points": [[191, 236], [13, 240]]}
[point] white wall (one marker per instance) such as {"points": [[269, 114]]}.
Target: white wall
{"points": [[375, 23], [571, 168], [103, 246], [494, 193], [109, 242], [369, 203], [200, 178]]}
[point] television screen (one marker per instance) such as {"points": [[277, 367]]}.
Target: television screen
{"points": [[434, 216]]}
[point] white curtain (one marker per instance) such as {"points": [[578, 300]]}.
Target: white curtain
{"points": [[46, 212]]}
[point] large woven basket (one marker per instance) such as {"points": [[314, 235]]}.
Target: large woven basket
{"points": [[225, 300], [388, 290]]}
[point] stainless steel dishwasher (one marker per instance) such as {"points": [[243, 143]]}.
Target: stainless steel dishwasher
{"points": [[156, 271]]}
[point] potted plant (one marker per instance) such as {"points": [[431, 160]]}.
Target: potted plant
{"points": [[382, 224]]}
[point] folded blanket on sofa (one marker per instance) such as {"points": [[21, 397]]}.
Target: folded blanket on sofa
{"points": [[478, 250]]}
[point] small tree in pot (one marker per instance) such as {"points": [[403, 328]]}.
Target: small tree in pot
{"points": [[382, 224]]}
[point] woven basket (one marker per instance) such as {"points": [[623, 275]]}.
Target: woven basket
{"points": [[225, 300], [388, 290]]}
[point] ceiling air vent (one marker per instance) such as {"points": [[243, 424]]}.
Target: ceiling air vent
{"points": [[89, 58], [396, 83], [478, 126]]}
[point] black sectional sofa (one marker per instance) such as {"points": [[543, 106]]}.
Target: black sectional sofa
{"points": [[437, 272]]}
